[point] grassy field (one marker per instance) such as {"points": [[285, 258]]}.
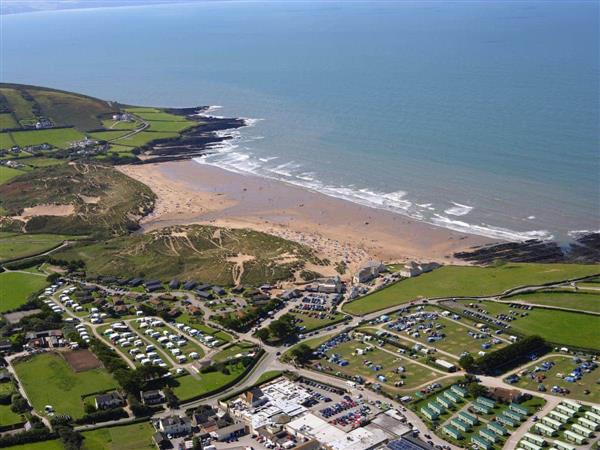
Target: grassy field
{"points": [[49, 380], [105, 200], [456, 340], [153, 115], [7, 121], [240, 347], [144, 137], [580, 300], [42, 162], [462, 281], [187, 386], [108, 135], [564, 365], [16, 102], [8, 173], [559, 327], [7, 417], [53, 444], [13, 245], [172, 126], [126, 437], [193, 252], [315, 323], [120, 125], [57, 137], [16, 287], [413, 376]]}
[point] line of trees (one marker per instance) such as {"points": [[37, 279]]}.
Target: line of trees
{"points": [[506, 358]]}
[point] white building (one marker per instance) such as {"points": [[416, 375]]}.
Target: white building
{"points": [[175, 425], [414, 269], [369, 271]]}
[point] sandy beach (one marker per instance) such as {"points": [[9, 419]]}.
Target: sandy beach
{"points": [[192, 193]]}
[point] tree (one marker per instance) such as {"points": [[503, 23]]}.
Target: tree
{"points": [[476, 390], [52, 277], [70, 438], [467, 362], [263, 334], [171, 398], [302, 353], [19, 405], [284, 327]]}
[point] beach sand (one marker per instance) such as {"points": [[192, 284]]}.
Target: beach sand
{"points": [[192, 193]]}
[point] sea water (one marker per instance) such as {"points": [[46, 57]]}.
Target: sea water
{"points": [[476, 116]]}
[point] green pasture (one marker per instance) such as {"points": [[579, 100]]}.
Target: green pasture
{"points": [[57, 137], [580, 300], [16, 287], [49, 380], [15, 246], [186, 387], [144, 137], [464, 281], [8, 121], [126, 437], [8, 173]]}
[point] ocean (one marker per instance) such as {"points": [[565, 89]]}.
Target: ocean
{"points": [[478, 116]]}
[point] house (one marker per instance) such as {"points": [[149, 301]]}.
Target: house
{"points": [[175, 425], [330, 285], [413, 269], [369, 271], [108, 401], [152, 397], [161, 440]]}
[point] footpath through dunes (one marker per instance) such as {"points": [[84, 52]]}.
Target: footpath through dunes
{"points": [[198, 252], [464, 281], [76, 198]]}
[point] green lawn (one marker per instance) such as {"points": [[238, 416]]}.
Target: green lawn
{"points": [[241, 347], [57, 137], [16, 287], [16, 246], [559, 327], [8, 121], [144, 137], [314, 321], [49, 380], [564, 365], [54, 444], [268, 376], [187, 386], [126, 437], [8, 173], [7, 417], [581, 300], [462, 281]]}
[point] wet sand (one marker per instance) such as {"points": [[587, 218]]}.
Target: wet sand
{"points": [[189, 192]]}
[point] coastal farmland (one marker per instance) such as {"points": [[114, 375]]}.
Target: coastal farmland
{"points": [[62, 387], [17, 245], [17, 287], [464, 281]]}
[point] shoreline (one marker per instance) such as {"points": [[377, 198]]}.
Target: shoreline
{"points": [[192, 193]]}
